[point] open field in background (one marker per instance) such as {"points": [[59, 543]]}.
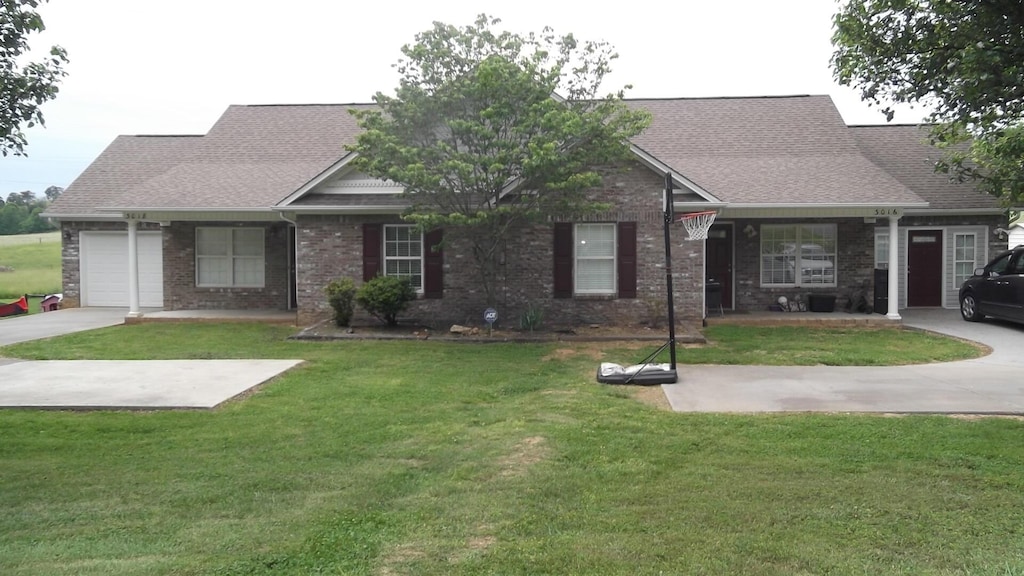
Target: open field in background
{"points": [[41, 238], [34, 261], [423, 457]]}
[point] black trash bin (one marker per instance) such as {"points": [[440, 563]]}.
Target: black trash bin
{"points": [[713, 297], [881, 291], [821, 302]]}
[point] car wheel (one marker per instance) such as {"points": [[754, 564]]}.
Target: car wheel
{"points": [[969, 309]]}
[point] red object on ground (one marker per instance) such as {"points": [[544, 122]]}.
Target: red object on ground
{"points": [[50, 303], [19, 306]]}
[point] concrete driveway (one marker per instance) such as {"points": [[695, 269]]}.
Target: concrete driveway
{"points": [[988, 385], [49, 324], [117, 384], [131, 384]]}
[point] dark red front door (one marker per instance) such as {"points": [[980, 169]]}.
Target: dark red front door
{"points": [[719, 264], [924, 268]]}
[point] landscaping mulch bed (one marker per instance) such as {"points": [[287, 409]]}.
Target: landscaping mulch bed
{"points": [[414, 331]]}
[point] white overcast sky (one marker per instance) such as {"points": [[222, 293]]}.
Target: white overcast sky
{"points": [[159, 67]]}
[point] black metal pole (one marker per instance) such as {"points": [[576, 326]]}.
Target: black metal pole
{"points": [[668, 271]]}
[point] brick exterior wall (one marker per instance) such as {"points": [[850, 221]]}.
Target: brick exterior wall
{"points": [[854, 263], [855, 257], [181, 292], [330, 247]]}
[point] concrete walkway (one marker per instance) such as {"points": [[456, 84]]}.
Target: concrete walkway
{"points": [[988, 385], [49, 324]]}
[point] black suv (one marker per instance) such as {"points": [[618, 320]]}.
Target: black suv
{"points": [[997, 290]]}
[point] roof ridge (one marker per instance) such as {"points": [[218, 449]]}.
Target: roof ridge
{"points": [[892, 125], [164, 135], [761, 97], [310, 104]]}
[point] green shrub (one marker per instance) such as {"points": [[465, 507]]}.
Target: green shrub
{"points": [[385, 297], [340, 294]]}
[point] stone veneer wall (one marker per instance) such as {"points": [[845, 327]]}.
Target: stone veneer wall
{"points": [[70, 252], [330, 247], [181, 292]]}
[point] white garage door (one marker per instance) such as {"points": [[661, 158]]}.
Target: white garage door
{"points": [[103, 259]]}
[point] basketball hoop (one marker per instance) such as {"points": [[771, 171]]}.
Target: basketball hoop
{"points": [[697, 224]]}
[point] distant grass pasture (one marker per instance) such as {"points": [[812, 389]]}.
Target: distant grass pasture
{"points": [[30, 265]]}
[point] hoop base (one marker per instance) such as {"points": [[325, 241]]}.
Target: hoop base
{"points": [[697, 224]]}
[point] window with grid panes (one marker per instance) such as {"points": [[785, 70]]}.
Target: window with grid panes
{"points": [[595, 258], [403, 253]]}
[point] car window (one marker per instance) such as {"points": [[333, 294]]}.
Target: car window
{"points": [[1017, 266], [998, 266]]}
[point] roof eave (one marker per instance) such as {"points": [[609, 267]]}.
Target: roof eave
{"points": [[316, 210], [81, 217], [955, 211], [653, 163], [320, 178]]}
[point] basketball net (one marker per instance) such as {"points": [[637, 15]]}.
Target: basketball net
{"points": [[697, 224]]}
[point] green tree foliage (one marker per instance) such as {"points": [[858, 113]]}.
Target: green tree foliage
{"points": [[488, 130], [20, 214], [963, 59], [24, 87]]}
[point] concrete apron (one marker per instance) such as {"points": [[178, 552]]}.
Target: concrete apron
{"points": [[987, 385], [131, 384], [955, 387]]}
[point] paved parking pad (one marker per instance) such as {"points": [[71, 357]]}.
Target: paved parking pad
{"points": [[954, 387], [131, 384], [988, 385]]}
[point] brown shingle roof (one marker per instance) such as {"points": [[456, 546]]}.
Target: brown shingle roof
{"points": [[763, 150], [127, 163], [253, 157], [904, 152], [784, 150]]}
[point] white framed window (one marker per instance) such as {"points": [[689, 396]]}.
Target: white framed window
{"points": [[798, 254], [595, 259], [882, 250], [229, 257], [965, 254], [403, 253]]}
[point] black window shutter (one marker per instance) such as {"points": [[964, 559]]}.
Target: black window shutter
{"points": [[433, 265], [563, 260], [372, 246], [627, 259]]}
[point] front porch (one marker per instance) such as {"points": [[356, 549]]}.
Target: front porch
{"points": [[813, 319]]}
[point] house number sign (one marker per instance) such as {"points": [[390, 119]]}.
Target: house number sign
{"points": [[897, 212], [135, 215]]}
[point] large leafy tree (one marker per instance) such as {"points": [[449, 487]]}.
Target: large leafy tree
{"points": [[488, 130], [24, 87], [962, 59]]}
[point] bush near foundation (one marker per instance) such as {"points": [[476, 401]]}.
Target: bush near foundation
{"points": [[385, 297]]}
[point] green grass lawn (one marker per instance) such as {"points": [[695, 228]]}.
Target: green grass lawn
{"points": [[419, 457], [35, 260]]}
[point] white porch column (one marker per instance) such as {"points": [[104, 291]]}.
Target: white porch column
{"points": [[894, 261], [133, 269]]}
